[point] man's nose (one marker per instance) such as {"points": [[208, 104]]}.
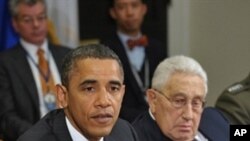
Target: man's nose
{"points": [[129, 10], [103, 99], [188, 111]]}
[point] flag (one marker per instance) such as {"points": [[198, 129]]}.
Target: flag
{"points": [[8, 36], [63, 22]]}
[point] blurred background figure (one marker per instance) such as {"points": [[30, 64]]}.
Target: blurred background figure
{"points": [[139, 53], [29, 70]]}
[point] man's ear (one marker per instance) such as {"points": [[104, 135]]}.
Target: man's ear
{"points": [[145, 9], [151, 97], [62, 96], [14, 24], [112, 13]]}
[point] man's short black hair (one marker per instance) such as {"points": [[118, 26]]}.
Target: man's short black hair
{"points": [[97, 51], [112, 2]]}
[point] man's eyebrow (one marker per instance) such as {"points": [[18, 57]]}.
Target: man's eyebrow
{"points": [[90, 81], [179, 94], [115, 82], [28, 15]]}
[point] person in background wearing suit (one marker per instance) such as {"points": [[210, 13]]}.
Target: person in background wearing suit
{"points": [[28, 71], [90, 96], [176, 101], [139, 54], [234, 102]]}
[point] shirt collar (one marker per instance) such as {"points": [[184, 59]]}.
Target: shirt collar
{"points": [[31, 49], [151, 115], [76, 135], [124, 38]]}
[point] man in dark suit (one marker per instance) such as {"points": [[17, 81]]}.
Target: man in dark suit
{"points": [[213, 125], [24, 85], [90, 95], [139, 54], [176, 100]]}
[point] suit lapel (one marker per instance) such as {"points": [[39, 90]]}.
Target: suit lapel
{"points": [[60, 128], [55, 55], [23, 69], [120, 49], [108, 139], [125, 60]]}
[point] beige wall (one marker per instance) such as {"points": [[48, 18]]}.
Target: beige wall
{"points": [[217, 34]]}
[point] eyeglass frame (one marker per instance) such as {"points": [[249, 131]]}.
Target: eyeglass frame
{"points": [[173, 103], [31, 19]]}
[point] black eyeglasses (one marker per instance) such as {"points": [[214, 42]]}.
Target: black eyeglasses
{"points": [[180, 101]]}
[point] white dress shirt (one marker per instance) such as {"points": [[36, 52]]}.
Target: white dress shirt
{"points": [[76, 135], [31, 50], [136, 56]]}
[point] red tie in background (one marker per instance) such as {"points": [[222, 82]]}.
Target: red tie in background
{"points": [[142, 41]]}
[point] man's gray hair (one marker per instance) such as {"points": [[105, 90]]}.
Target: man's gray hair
{"points": [[174, 64], [13, 5]]}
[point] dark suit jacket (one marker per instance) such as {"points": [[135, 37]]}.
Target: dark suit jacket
{"points": [[134, 102], [213, 126], [18, 92], [53, 128]]}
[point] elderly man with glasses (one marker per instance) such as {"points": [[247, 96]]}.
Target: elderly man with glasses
{"points": [[176, 101]]}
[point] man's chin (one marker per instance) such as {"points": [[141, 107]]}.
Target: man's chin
{"points": [[102, 132]]}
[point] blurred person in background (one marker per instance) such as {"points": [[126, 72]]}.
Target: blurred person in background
{"points": [[138, 52], [29, 70]]}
